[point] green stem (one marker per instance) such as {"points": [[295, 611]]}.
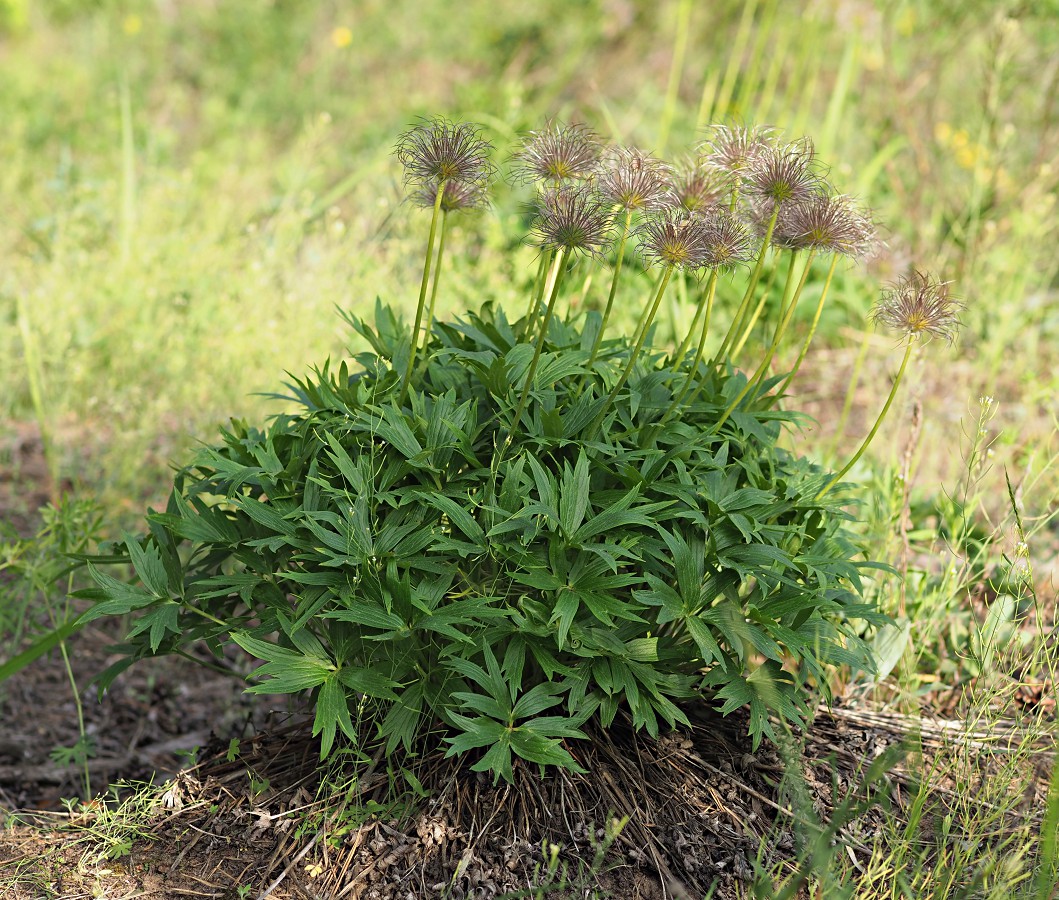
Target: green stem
{"points": [[875, 428], [535, 300], [613, 289], [437, 275], [423, 289], [812, 328], [560, 259], [752, 320], [711, 289], [641, 336], [786, 313], [80, 718], [750, 288], [682, 348], [847, 403]]}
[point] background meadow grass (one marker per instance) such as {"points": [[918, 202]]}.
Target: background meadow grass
{"points": [[188, 190]]}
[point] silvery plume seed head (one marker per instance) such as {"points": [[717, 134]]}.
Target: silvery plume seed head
{"points": [[631, 179], [920, 305], [574, 219], [558, 153], [731, 148], [696, 186], [827, 224], [786, 173], [458, 195], [729, 243], [438, 150], [675, 238]]}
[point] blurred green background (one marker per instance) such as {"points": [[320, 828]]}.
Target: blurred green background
{"points": [[188, 188]]}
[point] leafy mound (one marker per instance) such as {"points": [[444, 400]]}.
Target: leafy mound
{"points": [[414, 556]]}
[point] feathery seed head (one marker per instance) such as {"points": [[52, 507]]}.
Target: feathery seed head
{"points": [[458, 195], [731, 148], [558, 153], [438, 150], [784, 174], [729, 243], [696, 185], [631, 179], [920, 305], [828, 224], [675, 238], [573, 218]]}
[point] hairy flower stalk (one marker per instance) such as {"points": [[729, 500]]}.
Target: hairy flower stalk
{"points": [[632, 182], [673, 240], [729, 244], [455, 196], [832, 225], [787, 307], [569, 220], [447, 158], [919, 306]]}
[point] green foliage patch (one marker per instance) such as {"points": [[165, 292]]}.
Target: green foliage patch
{"points": [[415, 556]]}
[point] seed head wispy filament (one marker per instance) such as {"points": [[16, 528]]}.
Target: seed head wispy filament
{"points": [[827, 224], [920, 305], [787, 173], [632, 180], [437, 150], [674, 238], [732, 148], [558, 153], [729, 242], [573, 219], [696, 185]]}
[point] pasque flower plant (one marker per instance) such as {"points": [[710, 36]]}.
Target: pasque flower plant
{"points": [[546, 523]]}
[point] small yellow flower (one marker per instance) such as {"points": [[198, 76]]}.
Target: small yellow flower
{"points": [[967, 157], [132, 25], [314, 870], [342, 37], [942, 132]]}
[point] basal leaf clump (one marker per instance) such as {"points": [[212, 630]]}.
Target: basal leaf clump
{"points": [[504, 529]]}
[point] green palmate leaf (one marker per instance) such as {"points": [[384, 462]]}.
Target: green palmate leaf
{"points": [[289, 671]]}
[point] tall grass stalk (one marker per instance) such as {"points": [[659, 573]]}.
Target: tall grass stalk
{"points": [[676, 69], [35, 379]]}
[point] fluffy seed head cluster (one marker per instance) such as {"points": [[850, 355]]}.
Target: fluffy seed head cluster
{"points": [[729, 243], [457, 195], [438, 150], [826, 223], [675, 238], [731, 148], [784, 174], [572, 218], [696, 186], [633, 180], [558, 153], [920, 305]]}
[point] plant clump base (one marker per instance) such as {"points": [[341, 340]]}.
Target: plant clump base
{"points": [[264, 814]]}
